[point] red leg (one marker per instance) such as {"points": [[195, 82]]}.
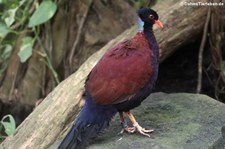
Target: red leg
{"points": [[124, 125], [141, 130]]}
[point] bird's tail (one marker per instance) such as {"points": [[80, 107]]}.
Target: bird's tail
{"points": [[91, 121], [80, 134]]}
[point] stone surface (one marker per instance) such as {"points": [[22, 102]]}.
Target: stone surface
{"points": [[180, 121]]}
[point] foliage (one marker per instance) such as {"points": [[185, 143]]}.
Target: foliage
{"points": [[9, 126], [4, 30], [44, 12], [26, 49], [4, 56], [23, 17]]}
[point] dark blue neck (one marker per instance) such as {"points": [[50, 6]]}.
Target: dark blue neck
{"points": [[152, 42], [148, 26]]}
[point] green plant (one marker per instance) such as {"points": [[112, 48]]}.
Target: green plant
{"points": [[8, 125], [20, 17]]}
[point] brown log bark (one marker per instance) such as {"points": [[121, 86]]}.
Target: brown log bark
{"points": [[48, 121], [7, 89]]}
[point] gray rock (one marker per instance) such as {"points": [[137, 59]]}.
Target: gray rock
{"points": [[180, 121]]}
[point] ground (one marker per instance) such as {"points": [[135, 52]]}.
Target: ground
{"points": [[181, 120]]}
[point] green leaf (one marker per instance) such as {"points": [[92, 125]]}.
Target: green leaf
{"points": [[10, 12], [4, 56], [44, 12], [10, 17], [7, 52], [26, 49], [10, 126], [4, 30]]}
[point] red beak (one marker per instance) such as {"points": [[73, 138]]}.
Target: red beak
{"points": [[159, 23]]}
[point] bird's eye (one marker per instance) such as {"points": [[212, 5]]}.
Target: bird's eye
{"points": [[151, 16]]}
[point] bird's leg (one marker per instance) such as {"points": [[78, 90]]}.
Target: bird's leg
{"points": [[124, 125], [141, 130]]}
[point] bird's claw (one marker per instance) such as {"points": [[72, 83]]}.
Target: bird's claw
{"points": [[137, 128], [128, 129], [143, 131]]}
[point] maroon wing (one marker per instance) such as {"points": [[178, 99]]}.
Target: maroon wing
{"points": [[121, 73]]}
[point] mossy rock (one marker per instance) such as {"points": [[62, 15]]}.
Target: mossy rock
{"points": [[180, 121]]}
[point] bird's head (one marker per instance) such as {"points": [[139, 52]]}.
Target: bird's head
{"points": [[149, 16]]}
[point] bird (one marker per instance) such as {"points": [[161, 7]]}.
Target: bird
{"points": [[119, 82]]}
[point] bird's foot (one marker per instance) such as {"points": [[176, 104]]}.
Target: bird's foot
{"points": [[126, 128], [136, 127], [141, 130]]}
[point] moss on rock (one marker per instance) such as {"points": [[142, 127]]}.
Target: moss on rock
{"points": [[180, 120]]}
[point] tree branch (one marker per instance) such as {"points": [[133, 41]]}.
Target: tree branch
{"points": [[201, 49]]}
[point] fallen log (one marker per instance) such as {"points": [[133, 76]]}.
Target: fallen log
{"points": [[52, 117]]}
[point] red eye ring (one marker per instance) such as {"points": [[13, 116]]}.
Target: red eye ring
{"points": [[151, 16]]}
